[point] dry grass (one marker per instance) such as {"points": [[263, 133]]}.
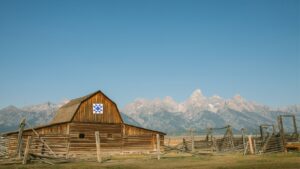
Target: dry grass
{"points": [[228, 161]]}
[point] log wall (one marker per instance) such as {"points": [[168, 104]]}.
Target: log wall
{"points": [[140, 139], [83, 143], [78, 139]]}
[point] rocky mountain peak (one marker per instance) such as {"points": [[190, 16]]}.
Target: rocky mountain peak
{"points": [[197, 95], [238, 98]]}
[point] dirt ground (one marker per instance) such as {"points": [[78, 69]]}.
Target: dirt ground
{"points": [[225, 161]]}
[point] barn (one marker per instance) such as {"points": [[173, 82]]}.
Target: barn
{"points": [[71, 133]]}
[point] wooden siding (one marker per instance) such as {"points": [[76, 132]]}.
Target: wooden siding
{"points": [[54, 129], [110, 111], [136, 139], [130, 130], [110, 138], [64, 139]]}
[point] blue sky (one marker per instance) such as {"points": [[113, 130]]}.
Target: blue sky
{"points": [[51, 50]]}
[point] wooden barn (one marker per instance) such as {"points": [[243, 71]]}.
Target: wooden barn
{"points": [[71, 133]]}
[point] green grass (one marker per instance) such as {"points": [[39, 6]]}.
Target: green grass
{"points": [[228, 161]]}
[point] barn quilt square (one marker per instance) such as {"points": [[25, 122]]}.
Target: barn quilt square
{"points": [[98, 108]]}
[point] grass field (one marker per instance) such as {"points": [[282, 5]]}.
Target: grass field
{"points": [[228, 161]]}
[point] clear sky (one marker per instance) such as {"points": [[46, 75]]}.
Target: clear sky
{"points": [[51, 50]]}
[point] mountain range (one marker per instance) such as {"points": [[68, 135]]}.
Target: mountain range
{"points": [[197, 111], [200, 112]]}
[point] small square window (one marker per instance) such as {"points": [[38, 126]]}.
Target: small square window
{"points": [[81, 135], [109, 135]]}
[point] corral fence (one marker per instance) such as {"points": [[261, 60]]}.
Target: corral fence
{"points": [[54, 148], [268, 141]]}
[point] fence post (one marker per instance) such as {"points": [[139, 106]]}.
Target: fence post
{"points": [[68, 149], [97, 136], [215, 146], [250, 144], [295, 126], [158, 146], [255, 149], [193, 143], [246, 148], [27, 148], [281, 130], [243, 137], [19, 144]]}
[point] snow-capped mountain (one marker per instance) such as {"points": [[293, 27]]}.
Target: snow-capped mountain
{"points": [[200, 112], [35, 115], [195, 103]]}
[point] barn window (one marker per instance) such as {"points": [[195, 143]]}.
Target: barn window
{"points": [[109, 135], [81, 135]]}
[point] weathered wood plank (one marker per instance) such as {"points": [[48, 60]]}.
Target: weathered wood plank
{"points": [[27, 149], [98, 146]]}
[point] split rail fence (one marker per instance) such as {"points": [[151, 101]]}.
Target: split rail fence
{"points": [[54, 149]]}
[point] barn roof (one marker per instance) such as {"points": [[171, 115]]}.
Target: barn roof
{"points": [[67, 111]]}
